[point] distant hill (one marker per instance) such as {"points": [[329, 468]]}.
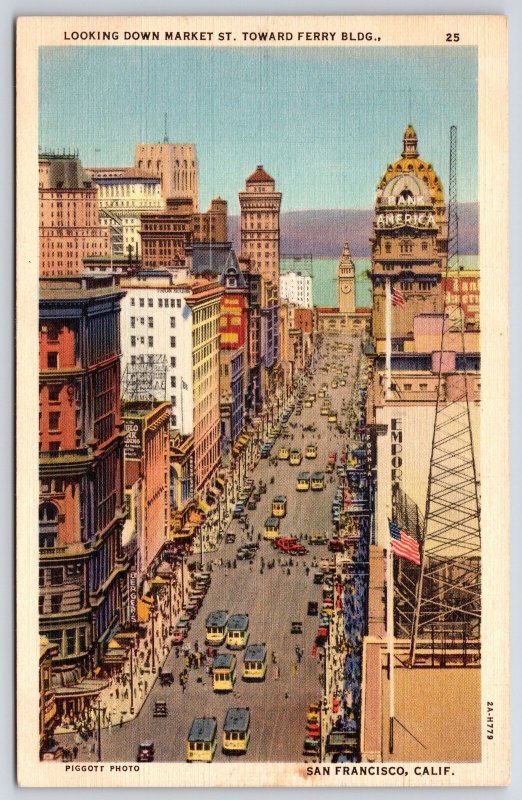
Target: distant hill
{"points": [[323, 232]]}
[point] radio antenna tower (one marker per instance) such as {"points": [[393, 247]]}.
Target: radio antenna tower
{"points": [[448, 600]]}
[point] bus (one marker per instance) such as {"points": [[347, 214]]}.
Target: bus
{"points": [[254, 663], [303, 482], [271, 528], [236, 731], [317, 481], [279, 506], [202, 739], [238, 631], [224, 672], [332, 416], [216, 627]]}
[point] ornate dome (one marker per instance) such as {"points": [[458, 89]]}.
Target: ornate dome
{"points": [[423, 178]]}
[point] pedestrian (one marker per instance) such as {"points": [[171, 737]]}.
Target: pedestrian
{"points": [[75, 751]]}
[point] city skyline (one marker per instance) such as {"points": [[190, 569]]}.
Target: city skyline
{"points": [[347, 135]]}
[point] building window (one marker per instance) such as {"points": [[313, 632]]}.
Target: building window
{"points": [[41, 577], [173, 322], [150, 302], [173, 362], [54, 393], [54, 447], [132, 301], [406, 246], [173, 401], [150, 322], [142, 302], [150, 341], [423, 387], [70, 641], [424, 245], [387, 247], [173, 381], [173, 341], [133, 341], [54, 421], [160, 302], [174, 419], [56, 603], [56, 574], [407, 387], [52, 360], [41, 605], [133, 322], [178, 303]]}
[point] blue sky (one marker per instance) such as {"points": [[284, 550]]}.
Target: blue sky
{"points": [[325, 122]]}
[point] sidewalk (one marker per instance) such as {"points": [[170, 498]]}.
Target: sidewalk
{"points": [[115, 699]]}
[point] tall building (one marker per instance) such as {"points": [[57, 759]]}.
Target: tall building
{"points": [[170, 344], [168, 236], [176, 165], [123, 198], [81, 511], [296, 288], [147, 457], [260, 234], [409, 242], [70, 227]]}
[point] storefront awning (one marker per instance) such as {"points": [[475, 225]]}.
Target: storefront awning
{"points": [[158, 582], [203, 506]]}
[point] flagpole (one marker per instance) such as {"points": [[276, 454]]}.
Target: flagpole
{"points": [[390, 631], [388, 314]]}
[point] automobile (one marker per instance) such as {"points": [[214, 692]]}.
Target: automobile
{"points": [[325, 410], [313, 608], [192, 610], [313, 730], [318, 577], [265, 452], [230, 538], [245, 553], [314, 710], [165, 678], [342, 382], [160, 709], [183, 624], [298, 410], [298, 550], [311, 747], [146, 751], [311, 451], [178, 637], [257, 496], [283, 453], [252, 505], [311, 396], [296, 627], [53, 753], [308, 403], [318, 537], [286, 543], [262, 487], [238, 510], [295, 457], [249, 483]]}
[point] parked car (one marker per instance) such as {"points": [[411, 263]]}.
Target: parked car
{"points": [[146, 751], [230, 538], [296, 627], [160, 709], [313, 608]]}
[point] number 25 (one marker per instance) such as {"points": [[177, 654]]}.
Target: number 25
{"points": [[452, 37]]}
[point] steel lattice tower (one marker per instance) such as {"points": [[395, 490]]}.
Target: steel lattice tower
{"points": [[448, 600]]}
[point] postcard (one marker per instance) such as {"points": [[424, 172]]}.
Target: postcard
{"points": [[262, 338]]}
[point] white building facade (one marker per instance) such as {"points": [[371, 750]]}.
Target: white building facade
{"points": [[122, 200], [156, 342], [296, 288]]}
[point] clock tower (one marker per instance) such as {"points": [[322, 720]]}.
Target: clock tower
{"points": [[346, 282]]}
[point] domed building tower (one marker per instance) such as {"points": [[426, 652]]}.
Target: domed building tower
{"points": [[409, 244]]}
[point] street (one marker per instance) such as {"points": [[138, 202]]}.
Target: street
{"points": [[272, 598]]}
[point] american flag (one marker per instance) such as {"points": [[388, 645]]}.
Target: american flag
{"points": [[403, 545], [397, 297]]}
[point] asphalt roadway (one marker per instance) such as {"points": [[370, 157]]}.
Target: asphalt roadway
{"points": [[272, 599]]}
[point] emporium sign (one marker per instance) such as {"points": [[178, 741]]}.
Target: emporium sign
{"points": [[401, 219], [133, 432], [396, 453]]}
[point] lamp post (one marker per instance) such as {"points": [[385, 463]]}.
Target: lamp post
{"points": [[153, 657], [99, 709], [131, 665]]}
